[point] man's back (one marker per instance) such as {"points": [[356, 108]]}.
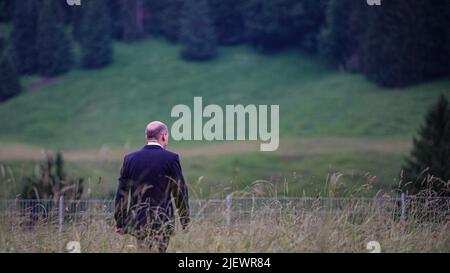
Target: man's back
{"points": [[148, 179]]}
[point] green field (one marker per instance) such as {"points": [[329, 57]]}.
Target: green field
{"points": [[85, 110]]}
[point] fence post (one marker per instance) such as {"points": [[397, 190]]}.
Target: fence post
{"points": [[403, 200], [61, 212], [252, 214], [228, 212]]}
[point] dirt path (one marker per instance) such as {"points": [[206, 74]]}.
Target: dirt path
{"points": [[288, 147]]}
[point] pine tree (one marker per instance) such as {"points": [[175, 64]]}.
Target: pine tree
{"points": [[116, 15], [228, 21], [51, 181], [54, 54], [406, 42], [197, 33], [75, 16], [431, 152], [133, 24], [311, 23], [23, 36], [155, 9], [63, 11], [273, 25], [95, 37], [340, 39], [333, 36], [6, 10], [172, 19], [9, 78]]}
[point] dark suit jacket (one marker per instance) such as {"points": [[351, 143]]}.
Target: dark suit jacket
{"points": [[148, 180]]}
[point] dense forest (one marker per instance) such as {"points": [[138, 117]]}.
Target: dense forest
{"points": [[396, 44]]}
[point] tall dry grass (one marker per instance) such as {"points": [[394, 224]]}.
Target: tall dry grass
{"points": [[274, 227], [268, 230]]}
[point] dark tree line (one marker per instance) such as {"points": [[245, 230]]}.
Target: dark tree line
{"points": [[9, 77], [53, 48], [228, 21], [397, 44], [197, 32], [43, 33], [407, 42], [95, 36], [24, 35], [271, 25], [6, 10]]}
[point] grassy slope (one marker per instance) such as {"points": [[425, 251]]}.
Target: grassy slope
{"points": [[86, 109], [110, 106]]}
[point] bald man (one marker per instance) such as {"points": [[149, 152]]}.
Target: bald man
{"points": [[149, 179]]}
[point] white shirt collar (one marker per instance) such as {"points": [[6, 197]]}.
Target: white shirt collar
{"points": [[154, 143]]}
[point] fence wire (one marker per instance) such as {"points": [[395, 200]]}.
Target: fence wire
{"points": [[231, 209]]}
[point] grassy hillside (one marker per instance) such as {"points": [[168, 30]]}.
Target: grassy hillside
{"points": [[111, 106], [88, 109]]}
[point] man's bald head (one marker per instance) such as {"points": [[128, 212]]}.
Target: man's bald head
{"points": [[158, 132]]}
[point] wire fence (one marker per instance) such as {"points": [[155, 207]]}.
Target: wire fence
{"points": [[230, 210]]}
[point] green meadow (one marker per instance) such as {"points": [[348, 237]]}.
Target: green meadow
{"points": [[331, 121]]}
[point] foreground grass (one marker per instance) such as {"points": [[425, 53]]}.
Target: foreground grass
{"points": [[271, 230]]}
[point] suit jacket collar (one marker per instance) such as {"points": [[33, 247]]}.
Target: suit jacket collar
{"points": [[152, 147]]}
